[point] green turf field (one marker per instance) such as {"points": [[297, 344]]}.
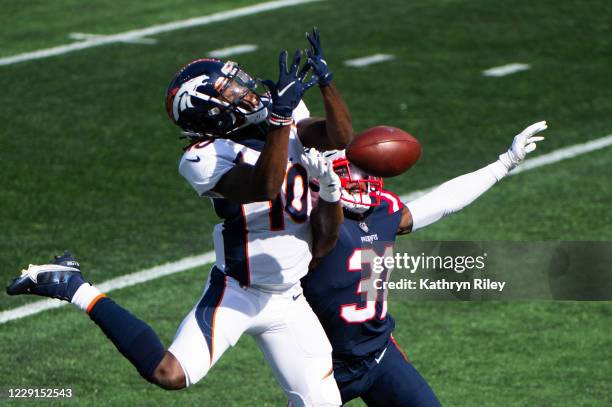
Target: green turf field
{"points": [[89, 162]]}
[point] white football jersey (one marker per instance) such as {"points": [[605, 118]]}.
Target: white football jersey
{"points": [[261, 243]]}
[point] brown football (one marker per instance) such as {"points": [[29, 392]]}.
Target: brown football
{"points": [[384, 151]]}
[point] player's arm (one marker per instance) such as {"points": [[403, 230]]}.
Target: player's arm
{"points": [[327, 217], [456, 194], [262, 181], [335, 131]]}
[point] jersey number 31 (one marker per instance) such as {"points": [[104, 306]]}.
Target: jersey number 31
{"points": [[363, 261]]}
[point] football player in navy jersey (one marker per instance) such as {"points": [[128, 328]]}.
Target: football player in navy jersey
{"points": [[248, 154], [368, 363]]}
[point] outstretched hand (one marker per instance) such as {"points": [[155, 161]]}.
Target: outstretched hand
{"points": [[316, 59], [287, 92], [523, 144]]}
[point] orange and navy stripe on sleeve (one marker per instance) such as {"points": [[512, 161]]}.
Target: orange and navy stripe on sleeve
{"points": [[94, 301]]}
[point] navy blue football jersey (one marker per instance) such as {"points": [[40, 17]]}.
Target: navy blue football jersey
{"points": [[343, 291]]}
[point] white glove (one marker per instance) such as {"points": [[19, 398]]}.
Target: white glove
{"points": [[321, 168], [522, 145]]}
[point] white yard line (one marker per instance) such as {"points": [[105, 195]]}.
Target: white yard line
{"points": [[504, 70], [155, 29], [233, 50], [209, 257], [114, 284], [85, 36], [368, 60], [563, 154]]}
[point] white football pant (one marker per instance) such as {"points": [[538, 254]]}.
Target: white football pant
{"points": [[284, 326]]}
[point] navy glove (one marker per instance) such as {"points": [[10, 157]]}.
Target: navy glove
{"points": [[316, 60], [288, 91]]}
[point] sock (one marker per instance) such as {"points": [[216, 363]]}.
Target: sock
{"points": [[132, 337], [86, 296]]}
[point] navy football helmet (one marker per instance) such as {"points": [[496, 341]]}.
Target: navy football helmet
{"points": [[209, 97]]}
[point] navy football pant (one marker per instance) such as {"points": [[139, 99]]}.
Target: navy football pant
{"points": [[392, 381]]}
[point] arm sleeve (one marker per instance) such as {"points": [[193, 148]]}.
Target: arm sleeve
{"points": [[203, 168], [454, 195]]}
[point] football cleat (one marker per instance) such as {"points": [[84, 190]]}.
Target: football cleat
{"points": [[60, 279]]}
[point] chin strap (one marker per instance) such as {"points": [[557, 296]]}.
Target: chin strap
{"points": [[349, 202], [258, 116]]}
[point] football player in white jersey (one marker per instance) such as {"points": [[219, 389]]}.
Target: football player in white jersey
{"points": [[249, 155]]}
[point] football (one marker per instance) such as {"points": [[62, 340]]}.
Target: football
{"points": [[384, 151]]}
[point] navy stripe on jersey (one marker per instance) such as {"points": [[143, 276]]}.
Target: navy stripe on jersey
{"points": [[235, 237], [235, 233], [256, 144], [252, 136], [235, 230], [207, 308], [276, 215], [253, 144]]}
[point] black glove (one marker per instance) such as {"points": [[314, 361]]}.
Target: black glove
{"points": [[287, 92], [315, 58]]}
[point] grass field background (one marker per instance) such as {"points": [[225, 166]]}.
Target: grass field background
{"points": [[89, 162]]}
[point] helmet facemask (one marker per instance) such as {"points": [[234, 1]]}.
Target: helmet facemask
{"points": [[238, 90], [359, 190]]}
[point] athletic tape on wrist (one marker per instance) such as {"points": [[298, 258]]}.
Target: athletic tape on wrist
{"points": [[279, 120]]}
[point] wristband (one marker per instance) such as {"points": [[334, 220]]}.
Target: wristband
{"points": [[329, 188], [279, 120], [508, 160], [326, 80]]}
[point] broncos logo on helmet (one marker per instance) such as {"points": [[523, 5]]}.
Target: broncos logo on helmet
{"points": [[209, 97]]}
